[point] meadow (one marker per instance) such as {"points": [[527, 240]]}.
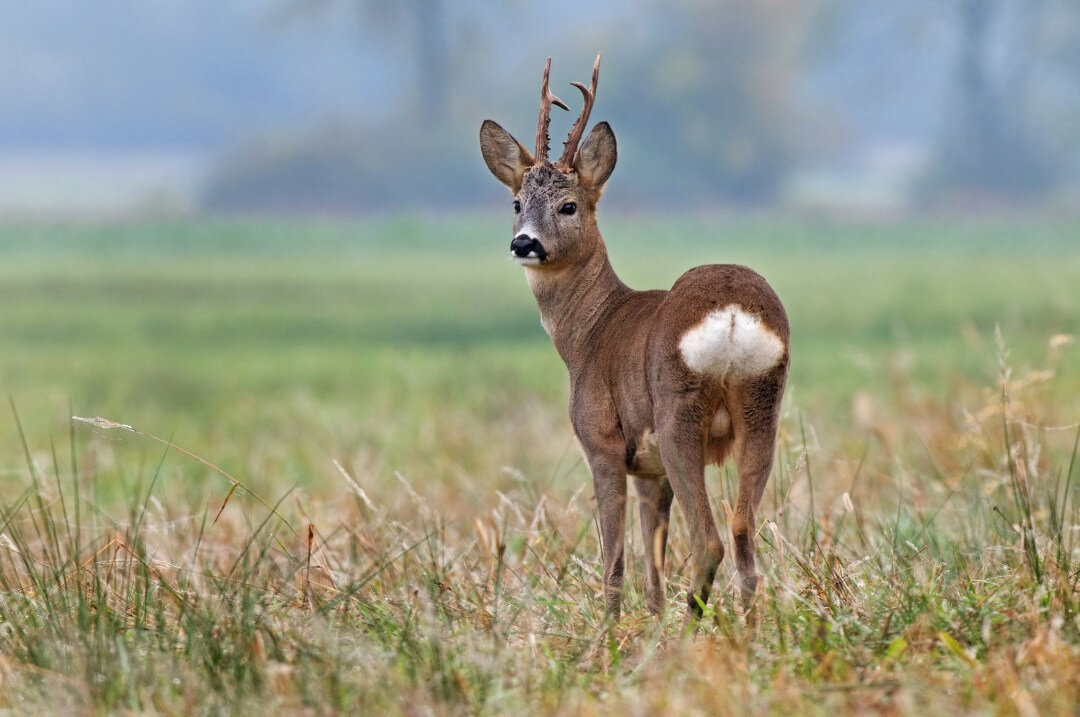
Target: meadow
{"points": [[343, 477]]}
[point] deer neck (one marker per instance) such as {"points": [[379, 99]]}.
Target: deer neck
{"points": [[574, 301]]}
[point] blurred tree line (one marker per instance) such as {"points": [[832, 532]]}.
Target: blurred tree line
{"points": [[997, 136], [707, 103]]}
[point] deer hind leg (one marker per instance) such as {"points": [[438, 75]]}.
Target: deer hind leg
{"points": [[655, 497], [755, 423], [681, 434]]}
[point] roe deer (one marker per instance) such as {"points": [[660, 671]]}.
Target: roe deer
{"points": [[661, 382]]}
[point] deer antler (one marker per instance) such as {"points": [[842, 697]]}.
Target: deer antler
{"points": [[570, 146], [547, 99]]}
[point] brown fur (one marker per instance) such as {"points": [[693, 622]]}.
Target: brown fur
{"points": [[631, 392]]}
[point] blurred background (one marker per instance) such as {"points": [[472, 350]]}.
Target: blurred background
{"points": [[264, 226], [349, 106]]}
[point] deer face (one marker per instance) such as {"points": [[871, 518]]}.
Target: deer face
{"points": [[554, 205], [555, 211], [550, 219]]}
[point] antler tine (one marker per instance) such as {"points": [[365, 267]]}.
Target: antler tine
{"points": [[570, 146], [547, 99]]}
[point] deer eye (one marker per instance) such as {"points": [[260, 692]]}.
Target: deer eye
{"points": [[517, 207], [568, 209]]}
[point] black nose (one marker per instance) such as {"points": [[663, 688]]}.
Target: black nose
{"points": [[523, 244]]}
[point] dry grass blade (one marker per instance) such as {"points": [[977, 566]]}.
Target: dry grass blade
{"points": [[107, 424], [225, 502]]}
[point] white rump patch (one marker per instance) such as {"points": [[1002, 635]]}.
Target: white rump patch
{"points": [[731, 343]]}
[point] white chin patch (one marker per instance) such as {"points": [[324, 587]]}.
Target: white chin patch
{"points": [[731, 343], [531, 260]]}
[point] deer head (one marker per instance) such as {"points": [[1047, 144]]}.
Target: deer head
{"points": [[554, 204]]}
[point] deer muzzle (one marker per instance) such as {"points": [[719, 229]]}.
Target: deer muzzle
{"points": [[524, 246]]}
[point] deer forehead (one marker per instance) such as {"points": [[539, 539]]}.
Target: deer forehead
{"points": [[547, 183]]}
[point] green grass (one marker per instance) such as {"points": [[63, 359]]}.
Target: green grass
{"points": [[918, 536]]}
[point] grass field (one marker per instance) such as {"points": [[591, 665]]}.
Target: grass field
{"points": [[414, 531]]}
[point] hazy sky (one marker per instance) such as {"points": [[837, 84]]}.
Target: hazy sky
{"points": [[205, 74], [196, 73]]}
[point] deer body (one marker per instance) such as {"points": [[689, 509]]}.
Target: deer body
{"points": [[661, 382]]}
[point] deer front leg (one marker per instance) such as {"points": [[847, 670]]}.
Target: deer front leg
{"points": [[609, 483], [655, 496]]}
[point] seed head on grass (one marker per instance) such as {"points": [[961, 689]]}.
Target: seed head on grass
{"points": [[106, 423]]}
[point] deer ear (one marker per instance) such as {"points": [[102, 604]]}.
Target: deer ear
{"points": [[507, 158], [596, 158]]}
